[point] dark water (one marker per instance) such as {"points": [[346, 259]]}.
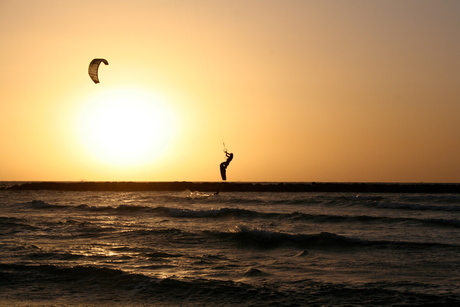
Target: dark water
{"points": [[234, 249]]}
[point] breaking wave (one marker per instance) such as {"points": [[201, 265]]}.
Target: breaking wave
{"points": [[272, 239], [224, 212], [83, 284]]}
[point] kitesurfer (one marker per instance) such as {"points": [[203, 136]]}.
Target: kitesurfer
{"points": [[224, 165], [229, 158]]}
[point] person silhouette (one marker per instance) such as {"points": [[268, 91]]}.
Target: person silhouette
{"points": [[224, 165], [229, 158]]}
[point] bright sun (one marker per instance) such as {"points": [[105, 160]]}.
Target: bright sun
{"points": [[126, 127]]}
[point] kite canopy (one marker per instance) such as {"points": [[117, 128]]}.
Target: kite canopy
{"points": [[94, 68]]}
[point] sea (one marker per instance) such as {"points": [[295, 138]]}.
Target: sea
{"points": [[195, 248]]}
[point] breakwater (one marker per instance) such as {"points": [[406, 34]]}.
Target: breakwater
{"points": [[242, 187]]}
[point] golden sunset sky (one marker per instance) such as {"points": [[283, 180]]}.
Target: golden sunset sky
{"points": [[298, 90]]}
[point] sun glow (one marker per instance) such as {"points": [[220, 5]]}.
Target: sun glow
{"points": [[126, 127]]}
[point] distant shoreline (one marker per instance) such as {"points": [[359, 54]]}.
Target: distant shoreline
{"points": [[240, 187]]}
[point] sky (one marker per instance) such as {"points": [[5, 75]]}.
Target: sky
{"points": [[298, 90]]}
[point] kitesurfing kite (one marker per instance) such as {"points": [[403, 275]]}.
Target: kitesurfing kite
{"points": [[94, 68]]}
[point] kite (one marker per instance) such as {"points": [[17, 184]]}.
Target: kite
{"points": [[93, 69]]}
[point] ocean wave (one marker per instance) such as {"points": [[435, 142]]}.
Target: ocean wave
{"points": [[10, 225], [118, 209], [245, 236], [173, 212], [371, 219], [316, 218], [345, 201], [81, 285], [245, 213], [225, 212], [39, 204], [442, 222], [260, 238], [431, 198], [417, 207], [438, 202], [94, 208], [53, 256], [239, 213], [162, 255], [253, 272], [272, 239], [210, 213]]}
